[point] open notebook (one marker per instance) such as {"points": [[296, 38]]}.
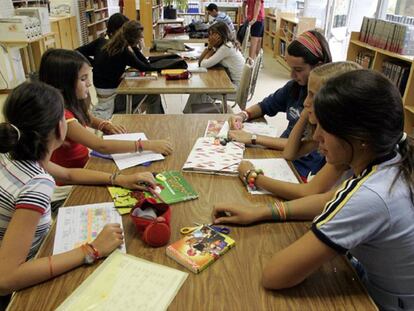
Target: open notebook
{"points": [[125, 282], [210, 157]]}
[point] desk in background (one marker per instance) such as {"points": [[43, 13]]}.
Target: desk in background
{"points": [[214, 81], [184, 37], [234, 281]]}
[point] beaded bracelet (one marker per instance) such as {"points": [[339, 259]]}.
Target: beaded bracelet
{"points": [[250, 177]]}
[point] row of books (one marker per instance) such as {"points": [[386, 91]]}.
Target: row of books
{"points": [[365, 59], [339, 21], [391, 36], [397, 72], [282, 48], [400, 19]]}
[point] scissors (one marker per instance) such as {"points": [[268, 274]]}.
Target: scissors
{"points": [[187, 230]]}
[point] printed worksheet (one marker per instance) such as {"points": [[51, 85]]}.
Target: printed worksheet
{"points": [[258, 128], [77, 225], [126, 160], [276, 168], [125, 282]]}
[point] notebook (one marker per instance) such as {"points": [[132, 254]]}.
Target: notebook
{"points": [[137, 75], [128, 283], [217, 128], [199, 249], [276, 168], [210, 157], [172, 188]]}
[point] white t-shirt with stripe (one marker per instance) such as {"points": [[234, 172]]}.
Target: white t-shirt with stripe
{"points": [[25, 184]]}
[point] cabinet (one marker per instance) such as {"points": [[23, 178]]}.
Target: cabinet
{"points": [[66, 32], [399, 68], [282, 29], [97, 15]]}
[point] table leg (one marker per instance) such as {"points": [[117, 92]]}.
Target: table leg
{"points": [[224, 102], [128, 109]]}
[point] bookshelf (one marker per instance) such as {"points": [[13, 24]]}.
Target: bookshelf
{"points": [[96, 15], [389, 63], [148, 14], [28, 3], [282, 29]]}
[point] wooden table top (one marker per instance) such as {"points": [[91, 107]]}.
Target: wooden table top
{"points": [[234, 281], [214, 81]]}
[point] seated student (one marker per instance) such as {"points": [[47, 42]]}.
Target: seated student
{"points": [[35, 126], [221, 50], [110, 59], [360, 120], [218, 16], [74, 84], [308, 51], [329, 175]]}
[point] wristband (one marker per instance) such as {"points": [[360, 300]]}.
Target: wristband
{"points": [[94, 250], [280, 207], [113, 177], [272, 210], [90, 258], [245, 115]]}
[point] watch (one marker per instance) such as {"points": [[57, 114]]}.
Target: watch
{"points": [[254, 138]]}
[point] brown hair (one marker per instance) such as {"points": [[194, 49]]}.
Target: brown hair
{"points": [[129, 35]]}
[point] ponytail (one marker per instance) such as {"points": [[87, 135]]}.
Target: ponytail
{"points": [[406, 164], [32, 112], [129, 35]]}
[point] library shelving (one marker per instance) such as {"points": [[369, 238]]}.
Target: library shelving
{"points": [[281, 29], [96, 14], [148, 14], [289, 28], [398, 68]]}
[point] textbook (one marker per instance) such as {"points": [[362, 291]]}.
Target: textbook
{"points": [[199, 249], [125, 282], [137, 75], [210, 157], [172, 188]]}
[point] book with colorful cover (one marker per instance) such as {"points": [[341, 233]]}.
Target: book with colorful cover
{"points": [[172, 188], [137, 75], [210, 157], [199, 249]]}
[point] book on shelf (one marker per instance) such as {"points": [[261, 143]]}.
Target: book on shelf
{"points": [[172, 188], [137, 75], [199, 249], [397, 72], [365, 59], [388, 35]]}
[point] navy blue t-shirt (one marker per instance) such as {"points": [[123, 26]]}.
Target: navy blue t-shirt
{"points": [[290, 99]]}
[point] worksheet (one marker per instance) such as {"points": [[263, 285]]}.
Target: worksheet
{"points": [[125, 282], [276, 168], [77, 225], [126, 160]]}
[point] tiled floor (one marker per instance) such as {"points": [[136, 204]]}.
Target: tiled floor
{"points": [[271, 77]]}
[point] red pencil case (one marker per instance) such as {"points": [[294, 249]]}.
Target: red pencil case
{"points": [[181, 76], [155, 232]]}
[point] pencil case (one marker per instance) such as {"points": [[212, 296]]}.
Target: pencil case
{"points": [[154, 231], [180, 76]]}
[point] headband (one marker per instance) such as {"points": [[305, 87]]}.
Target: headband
{"points": [[310, 42], [17, 130]]}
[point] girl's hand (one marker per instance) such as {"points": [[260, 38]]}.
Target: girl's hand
{"points": [[108, 239], [236, 122], [240, 136], [214, 40], [252, 22], [238, 214], [158, 146], [244, 167], [138, 181], [110, 129]]}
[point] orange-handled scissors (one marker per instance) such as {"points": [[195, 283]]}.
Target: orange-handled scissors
{"points": [[187, 230]]}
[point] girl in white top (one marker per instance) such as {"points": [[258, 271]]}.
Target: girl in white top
{"points": [[221, 50]]}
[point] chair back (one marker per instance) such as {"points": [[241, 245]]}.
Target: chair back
{"points": [[245, 82], [256, 68], [245, 43]]}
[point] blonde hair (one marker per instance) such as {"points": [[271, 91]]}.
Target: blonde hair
{"points": [[330, 70], [128, 35]]}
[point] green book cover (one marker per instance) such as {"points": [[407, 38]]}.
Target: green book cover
{"points": [[172, 188]]}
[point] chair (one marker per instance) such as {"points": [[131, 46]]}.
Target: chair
{"points": [[245, 43], [257, 64]]}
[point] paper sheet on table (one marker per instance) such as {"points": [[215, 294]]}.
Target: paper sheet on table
{"points": [[124, 282], [126, 160], [194, 68], [258, 128], [77, 225], [276, 168]]}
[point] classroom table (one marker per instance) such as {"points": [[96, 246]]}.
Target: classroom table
{"points": [[214, 81], [184, 37], [234, 281]]}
